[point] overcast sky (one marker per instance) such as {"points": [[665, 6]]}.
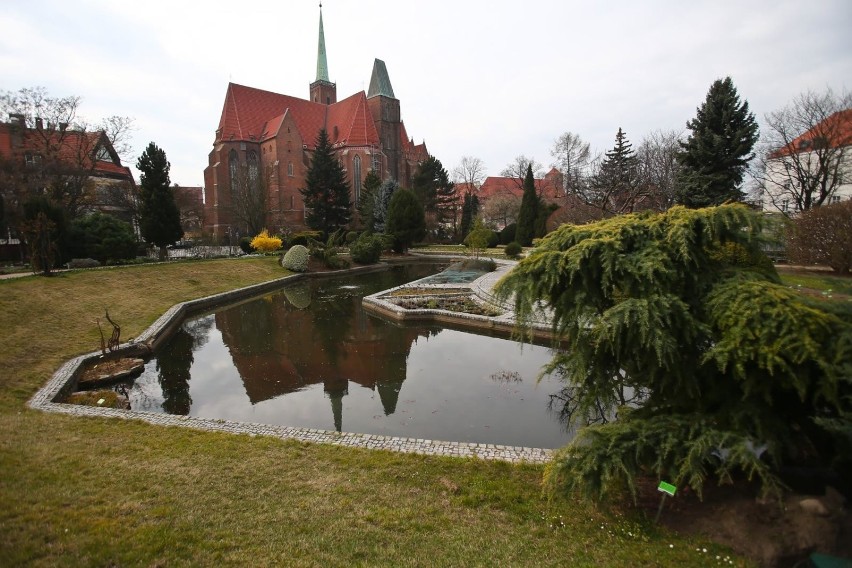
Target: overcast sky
{"points": [[491, 79]]}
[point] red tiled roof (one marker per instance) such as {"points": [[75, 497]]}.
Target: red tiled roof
{"points": [[836, 130], [255, 114], [355, 126], [248, 110], [71, 146], [547, 187]]}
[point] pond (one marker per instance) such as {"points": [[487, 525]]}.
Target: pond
{"points": [[310, 356]]}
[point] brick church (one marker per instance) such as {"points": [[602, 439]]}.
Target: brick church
{"points": [[266, 139]]}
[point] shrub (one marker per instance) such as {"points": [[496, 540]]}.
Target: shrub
{"points": [[245, 245], [264, 243], [351, 236], [823, 236], [507, 233], [296, 259], [102, 237], [406, 219], [303, 237], [513, 249], [367, 249], [493, 239], [83, 263], [478, 237]]}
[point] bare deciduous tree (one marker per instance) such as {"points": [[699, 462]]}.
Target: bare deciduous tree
{"points": [[249, 192], [501, 210], [517, 170], [658, 167], [806, 151], [470, 172], [571, 157]]}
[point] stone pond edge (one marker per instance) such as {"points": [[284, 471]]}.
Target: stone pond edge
{"points": [[64, 381]]}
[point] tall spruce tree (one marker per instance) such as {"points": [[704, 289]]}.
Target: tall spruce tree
{"points": [[427, 180], [406, 221], [616, 184], [525, 230], [367, 200], [159, 216], [715, 156], [326, 192]]}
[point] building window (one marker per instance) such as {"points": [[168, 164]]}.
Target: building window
{"points": [[233, 168], [833, 199], [785, 205], [252, 169], [290, 169], [292, 202], [356, 177]]}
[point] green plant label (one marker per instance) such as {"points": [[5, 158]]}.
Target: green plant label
{"points": [[668, 488]]}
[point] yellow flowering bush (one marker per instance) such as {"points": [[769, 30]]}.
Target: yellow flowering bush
{"points": [[264, 243]]}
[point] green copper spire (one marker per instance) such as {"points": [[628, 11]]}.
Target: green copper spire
{"points": [[380, 84], [322, 63]]}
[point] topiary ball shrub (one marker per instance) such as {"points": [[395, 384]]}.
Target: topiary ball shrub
{"points": [[513, 250], [351, 237], [296, 259]]}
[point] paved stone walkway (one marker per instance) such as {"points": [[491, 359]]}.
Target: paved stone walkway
{"points": [[64, 381]]}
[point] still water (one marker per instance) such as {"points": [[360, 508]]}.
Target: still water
{"points": [[310, 356]]}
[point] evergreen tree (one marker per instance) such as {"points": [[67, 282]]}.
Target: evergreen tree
{"points": [[470, 209], [367, 200], [679, 323], [427, 180], [326, 192], [159, 216], [529, 209], [715, 156], [406, 221], [381, 202], [616, 186]]}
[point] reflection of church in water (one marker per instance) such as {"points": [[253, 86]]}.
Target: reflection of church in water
{"points": [[344, 346]]}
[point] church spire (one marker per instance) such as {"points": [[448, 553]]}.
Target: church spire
{"points": [[322, 62], [323, 90]]}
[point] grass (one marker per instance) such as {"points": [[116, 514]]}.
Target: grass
{"points": [[91, 491], [823, 282]]}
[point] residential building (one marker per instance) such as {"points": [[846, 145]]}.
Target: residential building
{"points": [[821, 157]]}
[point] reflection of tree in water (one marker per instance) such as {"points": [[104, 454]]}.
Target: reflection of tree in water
{"points": [[256, 325], [576, 408], [332, 311], [199, 329], [173, 364]]}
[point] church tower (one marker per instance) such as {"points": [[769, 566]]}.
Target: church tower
{"points": [[323, 90], [384, 107]]}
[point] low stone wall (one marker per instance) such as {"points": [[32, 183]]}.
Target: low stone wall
{"points": [[64, 381]]}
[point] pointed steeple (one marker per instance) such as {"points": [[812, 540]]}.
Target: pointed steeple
{"points": [[322, 89], [380, 81], [322, 62]]}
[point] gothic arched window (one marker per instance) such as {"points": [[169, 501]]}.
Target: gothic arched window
{"points": [[252, 169], [233, 168], [356, 177]]}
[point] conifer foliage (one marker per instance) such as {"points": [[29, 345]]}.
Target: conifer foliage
{"points": [[326, 191], [159, 216], [715, 156], [525, 230], [678, 324]]}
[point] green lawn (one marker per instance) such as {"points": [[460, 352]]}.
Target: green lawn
{"points": [[822, 281], [99, 492]]}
